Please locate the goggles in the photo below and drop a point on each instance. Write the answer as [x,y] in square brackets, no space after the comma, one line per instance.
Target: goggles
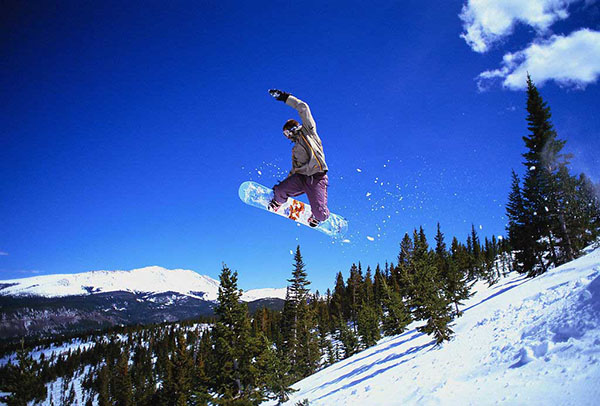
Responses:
[289,132]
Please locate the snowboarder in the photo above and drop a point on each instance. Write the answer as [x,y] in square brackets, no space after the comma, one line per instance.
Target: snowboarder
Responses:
[309,170]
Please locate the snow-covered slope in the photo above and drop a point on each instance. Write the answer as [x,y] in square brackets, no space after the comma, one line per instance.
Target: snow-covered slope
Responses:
[521,342]
[151,279]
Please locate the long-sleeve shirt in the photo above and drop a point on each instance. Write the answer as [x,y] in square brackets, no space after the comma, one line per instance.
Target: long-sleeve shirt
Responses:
[308,157]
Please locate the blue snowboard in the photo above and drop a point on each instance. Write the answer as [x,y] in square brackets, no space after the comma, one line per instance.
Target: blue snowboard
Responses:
[257,195]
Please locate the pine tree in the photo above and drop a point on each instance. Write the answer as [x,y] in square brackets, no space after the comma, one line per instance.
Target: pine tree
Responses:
[519,229]
[123,387]
[396,315]
[541,160]
[429,300]
[354,299]
[230,368]
[368,324]
[547,227]
[104,385]
[441,254]
[457,283]
[337,306]
[23,381]
[349,340]
[300,343]
[177,386]
[476,260]
[200,380]
[404,281]
[273,371]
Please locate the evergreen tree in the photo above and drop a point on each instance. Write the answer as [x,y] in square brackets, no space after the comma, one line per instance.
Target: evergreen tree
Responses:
[177,386]
[22,380]
[104,385]
[230,368]
[200,380]
[123,391]
[457,285]
[368,324]
[441,254]
[519,229]
[403,282]
[349,340]
[300,344]
[337,306]
[273,371]
[378,293]
[541,161]
[353,289]
[429,300]
[545,226]
[396,315]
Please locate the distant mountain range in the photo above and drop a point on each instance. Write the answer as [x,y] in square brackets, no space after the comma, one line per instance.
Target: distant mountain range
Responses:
[62,303]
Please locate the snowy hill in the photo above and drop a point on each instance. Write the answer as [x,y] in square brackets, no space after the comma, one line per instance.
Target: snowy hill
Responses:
[522,341]
[153,279]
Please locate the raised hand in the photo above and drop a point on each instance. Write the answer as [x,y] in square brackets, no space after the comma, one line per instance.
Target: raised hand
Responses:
[279,94]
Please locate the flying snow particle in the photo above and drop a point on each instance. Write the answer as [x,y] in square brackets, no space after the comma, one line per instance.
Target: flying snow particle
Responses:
[532,168]
[259,172]
[291,252]
[368,194]
[500,238]
[370,238]
[358,170]
[480,227]
[346,240]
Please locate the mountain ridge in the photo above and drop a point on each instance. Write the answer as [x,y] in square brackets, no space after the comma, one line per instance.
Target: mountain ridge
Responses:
[150,279]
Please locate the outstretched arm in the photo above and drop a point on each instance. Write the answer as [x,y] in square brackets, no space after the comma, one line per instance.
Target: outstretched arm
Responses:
[300,106]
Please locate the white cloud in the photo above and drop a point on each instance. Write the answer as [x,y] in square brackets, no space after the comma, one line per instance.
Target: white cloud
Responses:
[2,253]
[572,60]
[488,21]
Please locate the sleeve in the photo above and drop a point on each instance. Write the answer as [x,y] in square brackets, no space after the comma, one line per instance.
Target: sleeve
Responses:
[304,112]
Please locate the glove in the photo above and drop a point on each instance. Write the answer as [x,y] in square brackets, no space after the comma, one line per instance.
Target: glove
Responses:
[279,94]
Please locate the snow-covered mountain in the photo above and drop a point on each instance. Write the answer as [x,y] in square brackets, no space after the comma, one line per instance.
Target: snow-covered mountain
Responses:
[152,279]
[65,303]
[521,342]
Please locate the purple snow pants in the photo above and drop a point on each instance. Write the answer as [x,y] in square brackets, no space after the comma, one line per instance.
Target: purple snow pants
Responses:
[314,186]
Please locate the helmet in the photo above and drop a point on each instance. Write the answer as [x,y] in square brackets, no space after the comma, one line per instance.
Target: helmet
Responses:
[291,123]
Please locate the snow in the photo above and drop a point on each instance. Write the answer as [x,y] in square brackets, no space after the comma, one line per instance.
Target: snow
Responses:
[52,350]
[522,341]
[152,279]
[256,294]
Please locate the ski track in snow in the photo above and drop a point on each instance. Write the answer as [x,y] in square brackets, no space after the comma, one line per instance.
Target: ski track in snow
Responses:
[522,341]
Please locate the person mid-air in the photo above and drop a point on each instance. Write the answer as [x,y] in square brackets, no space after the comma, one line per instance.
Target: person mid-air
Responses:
[309,169]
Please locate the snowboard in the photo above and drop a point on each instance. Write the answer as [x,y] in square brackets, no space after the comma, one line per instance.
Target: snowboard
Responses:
[257,195]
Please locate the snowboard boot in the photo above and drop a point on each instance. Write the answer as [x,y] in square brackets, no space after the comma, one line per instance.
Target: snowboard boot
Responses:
[312,221]
[274,205]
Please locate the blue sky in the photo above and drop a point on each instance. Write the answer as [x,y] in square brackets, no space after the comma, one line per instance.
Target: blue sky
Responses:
[127,129]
